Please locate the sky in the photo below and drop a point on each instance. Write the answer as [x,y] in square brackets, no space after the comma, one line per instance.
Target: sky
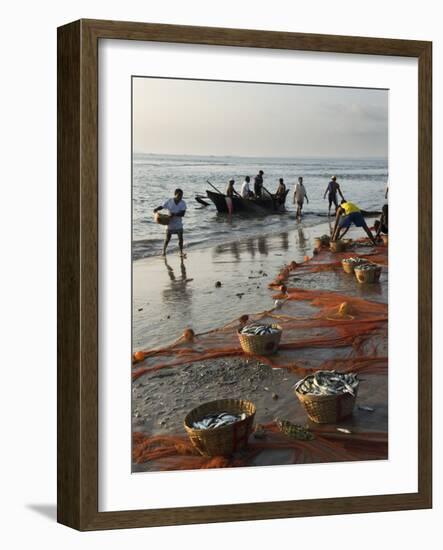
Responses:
[191,117]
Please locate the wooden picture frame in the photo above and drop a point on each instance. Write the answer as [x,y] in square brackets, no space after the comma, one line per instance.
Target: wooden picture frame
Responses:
[78,273]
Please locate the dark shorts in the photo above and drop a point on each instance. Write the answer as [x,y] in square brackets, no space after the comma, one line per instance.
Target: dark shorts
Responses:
[354,217]
[332,197]
[178,232]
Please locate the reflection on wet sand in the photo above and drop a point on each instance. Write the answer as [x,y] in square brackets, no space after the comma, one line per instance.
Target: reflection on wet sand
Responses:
[262,243]
[244,268]
[250,247]
[285,241]
[235,251]
[301,240]
[178,288]
[255,247]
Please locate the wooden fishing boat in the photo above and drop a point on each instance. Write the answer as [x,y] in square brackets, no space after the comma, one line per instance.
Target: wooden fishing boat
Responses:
[266,205]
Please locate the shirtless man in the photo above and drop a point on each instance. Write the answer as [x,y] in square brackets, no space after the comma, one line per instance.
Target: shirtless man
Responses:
[331,190]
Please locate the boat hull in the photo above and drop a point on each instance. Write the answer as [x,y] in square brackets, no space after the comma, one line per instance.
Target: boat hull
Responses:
[265,206]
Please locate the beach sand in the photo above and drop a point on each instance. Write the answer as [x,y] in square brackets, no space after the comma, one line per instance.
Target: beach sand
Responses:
[170,296]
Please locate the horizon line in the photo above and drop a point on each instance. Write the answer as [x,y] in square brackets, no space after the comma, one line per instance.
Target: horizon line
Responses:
[208,155]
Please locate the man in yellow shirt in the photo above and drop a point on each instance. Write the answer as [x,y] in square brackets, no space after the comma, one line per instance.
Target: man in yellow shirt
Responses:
[349,213]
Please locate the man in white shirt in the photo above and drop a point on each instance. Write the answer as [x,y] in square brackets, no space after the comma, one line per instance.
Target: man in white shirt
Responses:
[177,209]
[245,189]
[299,196]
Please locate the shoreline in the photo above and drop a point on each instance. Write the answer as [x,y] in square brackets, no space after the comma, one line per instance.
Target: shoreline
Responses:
[310,220]
[171,381]
[169,296]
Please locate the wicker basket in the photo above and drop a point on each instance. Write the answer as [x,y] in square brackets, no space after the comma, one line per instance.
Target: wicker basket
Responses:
[260,344]
[368,275]
[349,267]
[337,246]
[162,219]
[327,409]
[321,241]
[226,440]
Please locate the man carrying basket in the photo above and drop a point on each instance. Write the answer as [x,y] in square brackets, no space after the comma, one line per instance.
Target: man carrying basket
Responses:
[177,209]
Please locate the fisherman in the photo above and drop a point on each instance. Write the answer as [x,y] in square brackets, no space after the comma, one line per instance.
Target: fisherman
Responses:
[299,196]
[258,184]
[177,209]
[230,193]
[347,214]
[331,190]
[381,226]
[280,194]
[245,191]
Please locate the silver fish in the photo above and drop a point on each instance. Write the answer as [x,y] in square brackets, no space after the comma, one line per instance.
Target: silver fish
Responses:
[212,421]
[344,430]
[328,383]
[259,329]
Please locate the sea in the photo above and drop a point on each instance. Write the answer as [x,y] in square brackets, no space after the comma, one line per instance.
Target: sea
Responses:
[155,177]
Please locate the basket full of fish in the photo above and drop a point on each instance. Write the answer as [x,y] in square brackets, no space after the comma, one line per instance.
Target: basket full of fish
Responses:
[349,264]
[220,428]
[260,338]
[368,273]
[328,396]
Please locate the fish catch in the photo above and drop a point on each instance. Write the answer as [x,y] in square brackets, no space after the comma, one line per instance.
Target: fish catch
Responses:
[211,421]
[354,260]
[296,431]
[368,267]
[328,382]
[259,330]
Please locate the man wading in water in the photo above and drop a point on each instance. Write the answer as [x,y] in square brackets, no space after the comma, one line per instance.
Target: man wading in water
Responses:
[299,196]
[331,190]
[177,209]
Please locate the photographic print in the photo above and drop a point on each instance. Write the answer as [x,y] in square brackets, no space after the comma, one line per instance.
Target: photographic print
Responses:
[259,274]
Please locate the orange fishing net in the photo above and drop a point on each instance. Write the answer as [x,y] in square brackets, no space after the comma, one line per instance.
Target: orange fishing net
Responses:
[350,330]
[175,452]
[322,329]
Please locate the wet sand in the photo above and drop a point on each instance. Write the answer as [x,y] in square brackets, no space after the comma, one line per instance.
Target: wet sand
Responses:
[170,295]
[161,400]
